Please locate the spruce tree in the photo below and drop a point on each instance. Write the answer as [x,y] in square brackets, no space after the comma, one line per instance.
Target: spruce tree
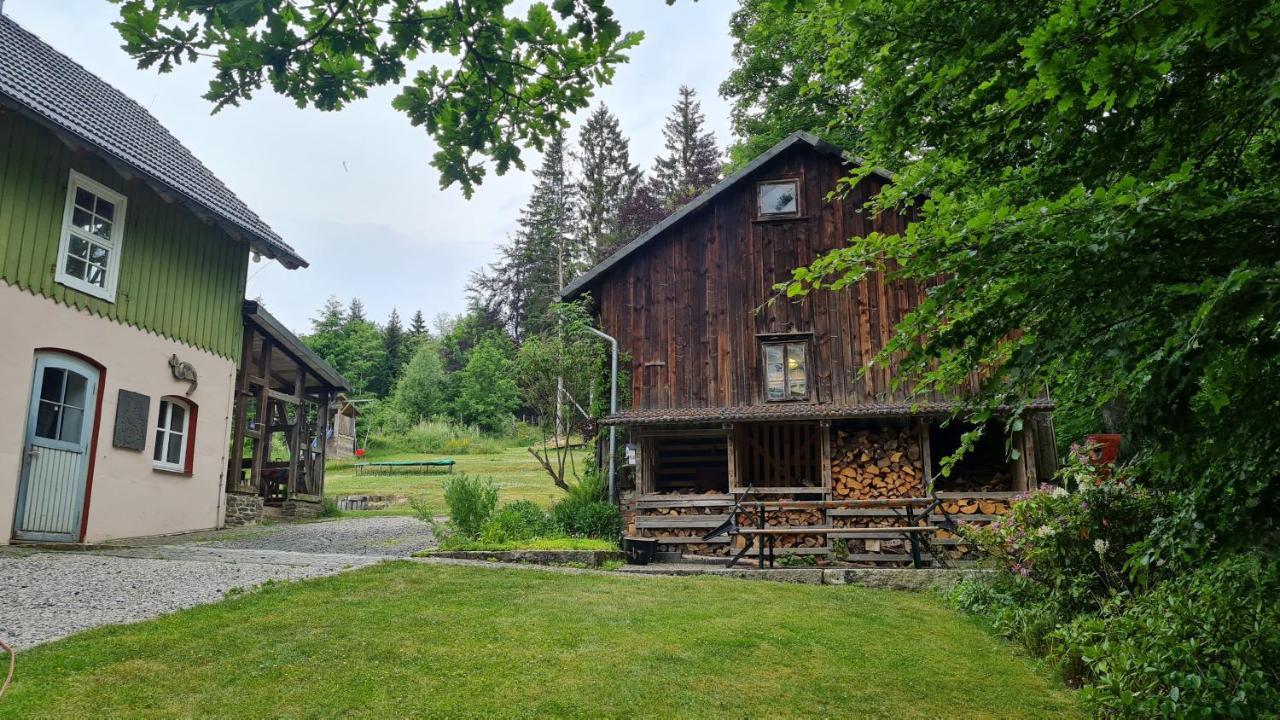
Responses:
[544,254]
[355,311]
[692,160]
[418,326]
[394,356]
[606,181]
[332,317]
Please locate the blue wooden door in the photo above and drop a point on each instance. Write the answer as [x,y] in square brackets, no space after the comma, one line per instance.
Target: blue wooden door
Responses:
[55,458]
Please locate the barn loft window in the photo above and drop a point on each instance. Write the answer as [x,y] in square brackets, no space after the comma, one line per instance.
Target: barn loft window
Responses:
[786,370]
[89,249]
[778,198]
[173,432]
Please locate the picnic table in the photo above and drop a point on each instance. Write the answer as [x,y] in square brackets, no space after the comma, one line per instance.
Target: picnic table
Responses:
[405,465]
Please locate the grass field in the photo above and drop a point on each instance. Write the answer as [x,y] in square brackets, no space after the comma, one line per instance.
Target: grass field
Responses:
[514,470]
[412,640]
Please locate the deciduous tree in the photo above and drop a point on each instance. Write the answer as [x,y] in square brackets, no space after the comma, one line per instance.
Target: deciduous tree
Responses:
[500,83]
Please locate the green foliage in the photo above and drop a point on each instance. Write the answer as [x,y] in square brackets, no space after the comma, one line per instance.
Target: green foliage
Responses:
[1203,645]
[1145,642]
[517,521]
[470,501]
[443,436]
[486,391]
[329,507]
[592,486]
[590,518]
[797,561]
[1074,544]
[420,391]
[691,162]
[500,82]
[556,372]
[351,344]
[541,543]
[606,180]
[1095,185]
[779,85]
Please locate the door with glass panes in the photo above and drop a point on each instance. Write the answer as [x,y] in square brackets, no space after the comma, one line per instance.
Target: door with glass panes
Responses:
[55,457]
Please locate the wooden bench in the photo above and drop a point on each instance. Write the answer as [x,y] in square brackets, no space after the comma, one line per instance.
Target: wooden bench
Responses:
[767,534]
[405,465]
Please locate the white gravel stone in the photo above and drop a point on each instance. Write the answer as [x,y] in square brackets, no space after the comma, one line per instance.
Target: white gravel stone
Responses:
[46,595]
[49,595]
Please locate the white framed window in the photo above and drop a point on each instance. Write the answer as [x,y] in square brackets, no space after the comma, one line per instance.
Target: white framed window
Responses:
[172,432]
[778,198]
[92,231]
[786,370]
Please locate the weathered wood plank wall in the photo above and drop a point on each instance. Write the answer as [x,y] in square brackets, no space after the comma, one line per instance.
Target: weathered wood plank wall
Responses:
[685,305]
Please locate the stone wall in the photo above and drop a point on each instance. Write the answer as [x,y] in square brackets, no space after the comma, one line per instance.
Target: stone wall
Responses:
[301,509]
[243,509]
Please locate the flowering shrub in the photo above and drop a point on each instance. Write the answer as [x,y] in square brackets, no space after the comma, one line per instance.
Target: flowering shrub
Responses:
[1143,642]
[1072,544]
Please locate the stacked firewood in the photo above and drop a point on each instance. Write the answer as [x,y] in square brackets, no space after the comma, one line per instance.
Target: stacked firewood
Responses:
[873,545]
[791,518]
[866,464]
[973,506]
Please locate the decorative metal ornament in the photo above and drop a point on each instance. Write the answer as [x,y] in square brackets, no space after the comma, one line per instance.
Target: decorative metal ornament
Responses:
[183,370]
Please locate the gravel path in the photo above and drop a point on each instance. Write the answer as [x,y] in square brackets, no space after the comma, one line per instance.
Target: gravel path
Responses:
[47,595]
[373,536]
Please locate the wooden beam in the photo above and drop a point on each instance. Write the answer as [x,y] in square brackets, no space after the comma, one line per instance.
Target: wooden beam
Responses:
[235,466]
[296,442]
[286,398]
[262,418]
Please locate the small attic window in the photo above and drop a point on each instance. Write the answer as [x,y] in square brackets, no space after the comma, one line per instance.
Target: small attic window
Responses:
[778,198]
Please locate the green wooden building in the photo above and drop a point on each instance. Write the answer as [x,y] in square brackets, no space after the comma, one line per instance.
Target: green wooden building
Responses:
[123,264]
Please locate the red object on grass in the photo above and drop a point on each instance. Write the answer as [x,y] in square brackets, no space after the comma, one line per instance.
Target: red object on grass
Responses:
[359,452]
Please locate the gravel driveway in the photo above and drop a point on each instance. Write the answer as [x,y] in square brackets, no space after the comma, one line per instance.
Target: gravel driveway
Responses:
[47,595]
[373,536]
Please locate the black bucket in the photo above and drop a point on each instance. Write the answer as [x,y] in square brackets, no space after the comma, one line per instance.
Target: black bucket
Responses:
[639,550]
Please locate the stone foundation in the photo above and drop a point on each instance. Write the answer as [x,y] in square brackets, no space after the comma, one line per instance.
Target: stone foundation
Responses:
[243,509]
[301,509]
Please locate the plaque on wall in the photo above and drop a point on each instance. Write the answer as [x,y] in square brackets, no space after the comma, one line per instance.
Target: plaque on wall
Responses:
[132,410]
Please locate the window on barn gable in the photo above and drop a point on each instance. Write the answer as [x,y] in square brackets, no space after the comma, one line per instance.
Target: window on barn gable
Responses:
[786,370]
[778,198]
[92,231]
[175,429]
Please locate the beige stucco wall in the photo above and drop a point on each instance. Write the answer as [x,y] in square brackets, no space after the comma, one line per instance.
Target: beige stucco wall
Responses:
[129,498]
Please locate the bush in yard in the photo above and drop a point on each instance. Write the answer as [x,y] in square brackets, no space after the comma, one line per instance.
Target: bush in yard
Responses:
[591,487]
[1206,645]
[587,518]
[517,520]
[1072,545]
[470,501]
[1154,643]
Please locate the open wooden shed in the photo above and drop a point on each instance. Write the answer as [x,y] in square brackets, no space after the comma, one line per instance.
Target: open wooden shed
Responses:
[281,420]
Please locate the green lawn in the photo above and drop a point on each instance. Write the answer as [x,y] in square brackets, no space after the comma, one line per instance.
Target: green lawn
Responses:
[411,640]
[516,472]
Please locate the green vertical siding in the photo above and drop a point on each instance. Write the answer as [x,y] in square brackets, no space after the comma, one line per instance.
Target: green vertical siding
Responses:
[179,276]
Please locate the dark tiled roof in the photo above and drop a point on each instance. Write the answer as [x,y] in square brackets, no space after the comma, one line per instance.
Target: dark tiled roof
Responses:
[56,90]
[793,411]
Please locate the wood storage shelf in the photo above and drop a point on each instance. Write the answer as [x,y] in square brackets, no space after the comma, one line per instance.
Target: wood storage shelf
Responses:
[877,464]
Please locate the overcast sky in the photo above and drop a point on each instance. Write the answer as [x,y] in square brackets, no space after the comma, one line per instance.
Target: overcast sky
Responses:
[352,191]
